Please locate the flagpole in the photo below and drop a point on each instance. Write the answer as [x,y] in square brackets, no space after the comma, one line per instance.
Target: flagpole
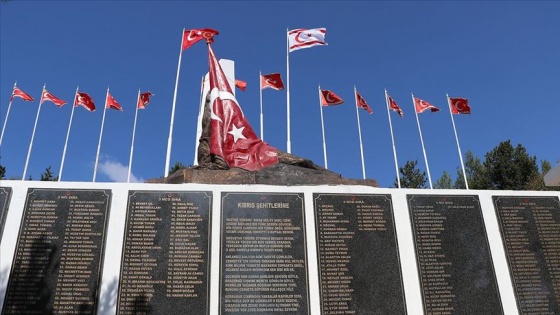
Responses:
[199,122]
[67,135]
[260,97]
[422,141]
[100,136]
[170,139]
[457,139]
[360,135]
[133,133]
[33,135]
[393,140]
[7,113]
[323,130]
[288,144]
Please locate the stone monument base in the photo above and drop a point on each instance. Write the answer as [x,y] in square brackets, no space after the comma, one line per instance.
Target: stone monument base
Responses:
[279,174]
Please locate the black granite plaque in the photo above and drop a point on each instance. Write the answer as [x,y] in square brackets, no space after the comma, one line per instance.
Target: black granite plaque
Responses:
[59,252]
[166,253]
[263,260]
[357,253]
[5,195]
[455,266]
[530,228]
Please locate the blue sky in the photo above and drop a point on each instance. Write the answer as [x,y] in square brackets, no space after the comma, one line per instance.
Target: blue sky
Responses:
[503,56]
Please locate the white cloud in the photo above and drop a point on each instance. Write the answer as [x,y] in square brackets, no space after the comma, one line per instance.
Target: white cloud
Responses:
[117,172]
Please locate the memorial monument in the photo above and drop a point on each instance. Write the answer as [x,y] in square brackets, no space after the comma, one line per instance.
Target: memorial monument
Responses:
[306,242]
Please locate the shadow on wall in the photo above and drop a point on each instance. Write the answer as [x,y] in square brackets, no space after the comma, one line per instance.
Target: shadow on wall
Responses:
[3,283]
[108,299]
[28,289]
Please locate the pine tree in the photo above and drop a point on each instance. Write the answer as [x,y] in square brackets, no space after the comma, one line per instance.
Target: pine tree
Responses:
[444,182]
[48,175]
[411,177]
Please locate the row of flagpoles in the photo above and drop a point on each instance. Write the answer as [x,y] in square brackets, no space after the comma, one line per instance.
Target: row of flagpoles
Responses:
[85,100]
[296,39]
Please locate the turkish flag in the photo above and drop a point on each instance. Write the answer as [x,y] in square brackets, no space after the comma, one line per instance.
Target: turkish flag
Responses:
[21,94]
[361,103]
[394,106]
[242,85]
[329,98]
[190,37]
[459,105]
[231,135]
[85,100]
[112,103]
[47,96]
[273,81]
[144,99]
[422,106]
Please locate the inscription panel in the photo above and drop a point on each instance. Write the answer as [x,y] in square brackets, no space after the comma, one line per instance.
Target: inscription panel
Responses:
[59,252]
[453,255]
[357,252]
[5,195]
[166,253]
[530,228]
[263,260]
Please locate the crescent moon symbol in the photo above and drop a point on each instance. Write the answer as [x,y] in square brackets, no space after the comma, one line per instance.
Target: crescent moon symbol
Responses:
[297,38]
[189,37]
[223,95]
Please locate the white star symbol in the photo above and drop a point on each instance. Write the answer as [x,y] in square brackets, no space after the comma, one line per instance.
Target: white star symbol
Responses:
[237,133]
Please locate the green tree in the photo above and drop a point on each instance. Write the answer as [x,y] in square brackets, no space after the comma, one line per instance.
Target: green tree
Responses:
[444,182]
[2,172]
[176,167]
[537,182]
[477,175]
[48,175]
[411,177]
[510,168]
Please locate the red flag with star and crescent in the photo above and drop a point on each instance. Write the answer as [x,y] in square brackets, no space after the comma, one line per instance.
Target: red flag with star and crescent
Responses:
[394,106]
[459,105]
[329,98]
[85,100]
[144,99]
[47,96]
[191,37]
[422,106]
[273,81]
[361,103]
[21,94]
[112,103]
[231,135]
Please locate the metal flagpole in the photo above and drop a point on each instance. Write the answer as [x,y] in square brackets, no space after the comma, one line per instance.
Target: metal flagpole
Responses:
[422,141]
[133,133]
[7,113]
[457,139]
[33,135]
[67,135]
[100,136]
[170,139]
[288,144]
[323,129]
[393,140]
[199,124]
[360,134]
[260,97]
